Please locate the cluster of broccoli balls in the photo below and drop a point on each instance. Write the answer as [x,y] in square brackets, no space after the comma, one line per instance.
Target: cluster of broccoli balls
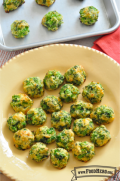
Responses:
[83,114]
[52,20]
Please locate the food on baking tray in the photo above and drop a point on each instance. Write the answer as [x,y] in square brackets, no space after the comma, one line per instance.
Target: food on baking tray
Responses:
[53,79]
[23,139]
[93,92]
[52,20]
[83,126]
[83,151]
[69,93]
[45,2]
[34,87]
[81,109]
[21,103]
[36,116]
[51,104]
[89,15]
[10,5]
[16,122]
[59,157]
[45,135]
[100,136]
[75,75]
[39,152]
[19,28]
[61,120]
[65,139]
[102,115]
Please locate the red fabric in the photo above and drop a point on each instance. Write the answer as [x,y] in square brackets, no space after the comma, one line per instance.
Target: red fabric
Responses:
[109,44]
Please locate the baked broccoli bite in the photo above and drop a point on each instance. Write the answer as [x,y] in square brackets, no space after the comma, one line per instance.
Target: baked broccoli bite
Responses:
[16,122]
[100,136]
[89,15]
[69,93]
[10,5]
[45,135]
[23,139]
[59,157]
[36,116]
[34,87]
[65,139]
[83,127]
[21,103]
[19,28]
[75,75]
[53,80]
[39,152]
[81,109]
[93,92]
[52,20]
[61,120]
[51,104]
[102,115]
[45,2]
[83,151]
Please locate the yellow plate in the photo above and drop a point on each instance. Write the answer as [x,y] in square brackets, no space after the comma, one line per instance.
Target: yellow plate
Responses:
[100,68]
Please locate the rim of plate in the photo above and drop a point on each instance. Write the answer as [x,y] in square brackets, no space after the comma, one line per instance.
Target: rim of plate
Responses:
[51,45]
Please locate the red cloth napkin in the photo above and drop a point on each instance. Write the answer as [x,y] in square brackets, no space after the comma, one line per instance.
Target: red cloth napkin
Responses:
[109,44]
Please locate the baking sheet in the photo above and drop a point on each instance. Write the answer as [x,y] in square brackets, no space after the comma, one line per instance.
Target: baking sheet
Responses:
[39,35]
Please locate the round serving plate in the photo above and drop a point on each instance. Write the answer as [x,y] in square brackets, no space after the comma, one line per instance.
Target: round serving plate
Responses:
[15,163]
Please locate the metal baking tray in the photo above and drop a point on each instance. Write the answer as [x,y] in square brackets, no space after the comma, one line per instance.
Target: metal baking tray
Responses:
[72,28]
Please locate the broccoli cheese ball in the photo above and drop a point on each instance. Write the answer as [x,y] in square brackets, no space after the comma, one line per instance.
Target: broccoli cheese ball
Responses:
[83,127]
[65,139]
[61,120]
[52,20]
[39,152]
[51,104]
[59,157]
[89,15]
[21,103]
[93,92]
[16,122]
[53,80]
[34,87]
[75,75]
[81,109]
[69,93]
[19,28]
[45,2]
[45,135]
[36,116]
[10,5]
[83,151]
[102,115]
[23,139]
[100,136]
